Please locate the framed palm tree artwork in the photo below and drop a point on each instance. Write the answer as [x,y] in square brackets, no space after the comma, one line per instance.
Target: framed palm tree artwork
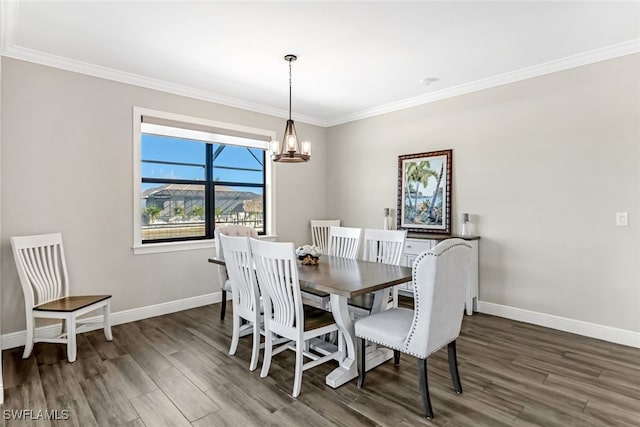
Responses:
[424,192]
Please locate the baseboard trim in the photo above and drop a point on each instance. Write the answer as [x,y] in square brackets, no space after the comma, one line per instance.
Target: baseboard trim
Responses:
[17,339]
[593,330]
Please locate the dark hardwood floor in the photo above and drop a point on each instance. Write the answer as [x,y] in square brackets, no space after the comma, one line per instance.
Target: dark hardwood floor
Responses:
[174,370]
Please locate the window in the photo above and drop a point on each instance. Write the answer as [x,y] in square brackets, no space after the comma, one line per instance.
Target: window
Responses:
[195,175]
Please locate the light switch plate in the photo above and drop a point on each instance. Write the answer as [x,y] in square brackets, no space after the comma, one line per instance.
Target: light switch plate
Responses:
[622,218]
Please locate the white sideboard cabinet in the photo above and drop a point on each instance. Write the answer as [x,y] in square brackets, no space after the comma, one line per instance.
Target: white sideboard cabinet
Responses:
[418,243]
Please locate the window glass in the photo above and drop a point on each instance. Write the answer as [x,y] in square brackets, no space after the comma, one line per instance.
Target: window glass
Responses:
[189,187]
[239,205]
[172,158]
[238,164]
[171,211]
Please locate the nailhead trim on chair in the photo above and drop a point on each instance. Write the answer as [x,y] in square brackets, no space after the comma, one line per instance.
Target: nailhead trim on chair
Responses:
[404,350]
[382,344]
[417,300]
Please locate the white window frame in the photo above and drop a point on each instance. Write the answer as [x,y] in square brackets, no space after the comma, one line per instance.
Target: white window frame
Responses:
[269,185]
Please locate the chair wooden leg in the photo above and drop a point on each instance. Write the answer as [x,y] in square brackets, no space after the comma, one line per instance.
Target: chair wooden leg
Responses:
[424,387]
[361,346]
[396,357]
[223,306]
[63,327]
[453,367]
[297,381]
[71,338]
[268,348]
[107,321]
[255,352]
[235,335]
[28,345]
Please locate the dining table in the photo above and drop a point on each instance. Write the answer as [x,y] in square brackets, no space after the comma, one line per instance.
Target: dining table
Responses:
[342,279]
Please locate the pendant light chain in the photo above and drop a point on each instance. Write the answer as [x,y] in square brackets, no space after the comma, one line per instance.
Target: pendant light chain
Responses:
[289,89]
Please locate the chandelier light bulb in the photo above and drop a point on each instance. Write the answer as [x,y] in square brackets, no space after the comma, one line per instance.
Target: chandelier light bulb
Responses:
[306,148]
[291,142]
[275,146]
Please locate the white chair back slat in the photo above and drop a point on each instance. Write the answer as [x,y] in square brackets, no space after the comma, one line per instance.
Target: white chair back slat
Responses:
[45,267]
[441,279]
[38,271]
[48,270]
[278,281]
[320,232]
[51,270]
[384,246]
[282,302]
[32,292]
[234,231]
[41,267]
[237,253]
[344,242]
[33,272]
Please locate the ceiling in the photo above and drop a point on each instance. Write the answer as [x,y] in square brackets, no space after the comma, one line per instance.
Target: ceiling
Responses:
[356,59]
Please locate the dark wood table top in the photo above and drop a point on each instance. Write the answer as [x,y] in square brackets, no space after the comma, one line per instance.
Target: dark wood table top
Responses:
[348,277]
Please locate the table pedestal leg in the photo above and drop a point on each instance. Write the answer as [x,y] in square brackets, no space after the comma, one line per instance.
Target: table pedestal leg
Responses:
[348,368]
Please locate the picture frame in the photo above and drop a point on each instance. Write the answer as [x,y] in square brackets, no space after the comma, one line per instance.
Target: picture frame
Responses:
[424,192]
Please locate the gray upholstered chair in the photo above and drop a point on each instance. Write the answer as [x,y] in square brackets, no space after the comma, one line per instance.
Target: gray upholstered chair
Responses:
[234,231]
[440,280]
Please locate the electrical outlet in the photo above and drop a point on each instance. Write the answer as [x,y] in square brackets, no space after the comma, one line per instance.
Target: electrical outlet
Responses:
[622,218]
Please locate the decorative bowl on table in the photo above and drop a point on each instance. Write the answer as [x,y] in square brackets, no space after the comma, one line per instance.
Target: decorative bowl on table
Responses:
[309,254]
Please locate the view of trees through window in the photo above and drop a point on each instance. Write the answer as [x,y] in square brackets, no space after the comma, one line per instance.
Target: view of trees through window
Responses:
[189,187]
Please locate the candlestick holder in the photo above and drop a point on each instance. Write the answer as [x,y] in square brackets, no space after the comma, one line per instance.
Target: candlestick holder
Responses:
[386,225]
[466,228]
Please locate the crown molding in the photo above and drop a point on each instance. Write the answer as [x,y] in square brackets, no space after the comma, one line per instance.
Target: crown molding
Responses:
[38,57]
[8,13]
[589,57]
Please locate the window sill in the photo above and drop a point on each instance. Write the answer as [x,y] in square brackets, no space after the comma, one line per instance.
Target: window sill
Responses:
[155,248]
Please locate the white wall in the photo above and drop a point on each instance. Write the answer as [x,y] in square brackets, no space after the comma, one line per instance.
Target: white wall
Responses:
[1,260]
[542,165]
[67,166]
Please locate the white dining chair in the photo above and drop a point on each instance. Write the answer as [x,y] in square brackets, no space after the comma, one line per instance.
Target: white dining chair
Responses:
[385,246]
[344,242]
[283,310]
[246,297]
[320,232]
[228,230]
[440,280]
[42,270]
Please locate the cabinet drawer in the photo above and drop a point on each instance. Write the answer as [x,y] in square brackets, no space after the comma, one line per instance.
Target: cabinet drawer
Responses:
[417,246]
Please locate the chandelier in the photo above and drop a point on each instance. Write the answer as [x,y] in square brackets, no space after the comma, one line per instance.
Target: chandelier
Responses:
[290,150]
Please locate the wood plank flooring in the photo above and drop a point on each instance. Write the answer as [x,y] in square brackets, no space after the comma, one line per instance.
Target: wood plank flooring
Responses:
[174,370]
